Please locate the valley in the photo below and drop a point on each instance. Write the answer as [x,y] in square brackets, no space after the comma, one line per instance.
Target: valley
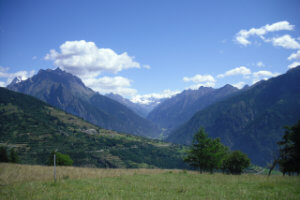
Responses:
[249,119]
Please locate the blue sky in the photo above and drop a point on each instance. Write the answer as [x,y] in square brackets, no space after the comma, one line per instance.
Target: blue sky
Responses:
[143,48]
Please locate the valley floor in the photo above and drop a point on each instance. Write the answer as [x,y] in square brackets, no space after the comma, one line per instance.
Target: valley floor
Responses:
[36,182]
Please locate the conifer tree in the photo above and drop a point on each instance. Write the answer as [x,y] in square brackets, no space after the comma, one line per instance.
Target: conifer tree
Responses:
[206,154]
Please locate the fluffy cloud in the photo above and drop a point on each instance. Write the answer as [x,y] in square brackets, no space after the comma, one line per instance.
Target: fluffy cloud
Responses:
[243,35]
[285,41]
[295,56]
[257,76]
[85,58]
[293,65]
[118,84]
[150,98]
[87,61]
[200,80]
[22,75]
[242,70]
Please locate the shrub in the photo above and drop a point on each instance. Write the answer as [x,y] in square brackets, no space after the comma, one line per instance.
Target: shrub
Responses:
[61,159]
[235,162]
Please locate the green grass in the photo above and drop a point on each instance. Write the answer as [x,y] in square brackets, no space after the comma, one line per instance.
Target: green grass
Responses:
[147,184]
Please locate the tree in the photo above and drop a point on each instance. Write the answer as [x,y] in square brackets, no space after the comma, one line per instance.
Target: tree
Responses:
[289,153]
[206,154]
[61,159]
[3,155]
[235,162]
[14,158]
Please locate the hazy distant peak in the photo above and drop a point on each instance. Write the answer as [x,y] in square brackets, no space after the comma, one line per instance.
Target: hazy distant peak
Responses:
[58,69]
[228,86]
[16,80]
[245,87]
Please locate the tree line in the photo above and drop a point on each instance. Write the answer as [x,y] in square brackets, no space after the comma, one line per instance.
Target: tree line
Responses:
[210,155]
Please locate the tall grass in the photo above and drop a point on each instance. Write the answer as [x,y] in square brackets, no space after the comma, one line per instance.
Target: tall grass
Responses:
[16,173]
[35,182]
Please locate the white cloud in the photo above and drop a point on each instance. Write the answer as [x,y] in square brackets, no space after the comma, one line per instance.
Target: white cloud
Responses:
[150,98]
[263,75]
[260,64]
[293,65]
[200,80]
[23,75]
[85,59]
[285,41]
[2,84]
[118,84]
[295,56]
[243,35]
[242,70]
[239,85]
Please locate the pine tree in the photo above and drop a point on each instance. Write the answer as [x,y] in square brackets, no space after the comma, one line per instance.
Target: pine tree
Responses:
[289,153]
[206,154]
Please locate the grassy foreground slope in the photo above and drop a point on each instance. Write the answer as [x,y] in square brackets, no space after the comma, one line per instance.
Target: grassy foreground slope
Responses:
[34,182]
[35,129]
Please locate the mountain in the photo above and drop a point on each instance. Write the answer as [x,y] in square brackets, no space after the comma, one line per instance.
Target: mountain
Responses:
[142,109]
[34,129]
[137,108]
[252,120]
[67,92]
[180,108]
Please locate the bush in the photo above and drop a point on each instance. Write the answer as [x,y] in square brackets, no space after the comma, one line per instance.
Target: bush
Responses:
[61,159]
[235,162]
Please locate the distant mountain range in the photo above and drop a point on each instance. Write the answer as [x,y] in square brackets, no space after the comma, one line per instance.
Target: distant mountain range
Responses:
[67,92]
[141,109]
[176,110]
[35,129]
[251,120]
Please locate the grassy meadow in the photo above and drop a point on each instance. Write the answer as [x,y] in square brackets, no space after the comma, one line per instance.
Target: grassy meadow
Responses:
[36,182]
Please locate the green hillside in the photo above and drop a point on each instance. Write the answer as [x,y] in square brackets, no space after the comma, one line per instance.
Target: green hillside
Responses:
[67,92]
[35,129]
[252,120]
